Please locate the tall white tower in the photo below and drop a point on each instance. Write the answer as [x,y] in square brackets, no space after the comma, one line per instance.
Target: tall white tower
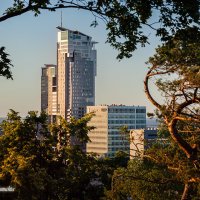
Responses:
[76,71]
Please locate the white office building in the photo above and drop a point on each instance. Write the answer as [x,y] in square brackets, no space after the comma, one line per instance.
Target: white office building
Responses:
[106,138]
[76,71]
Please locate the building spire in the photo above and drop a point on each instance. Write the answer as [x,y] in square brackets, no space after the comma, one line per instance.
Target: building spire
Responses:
[61,19]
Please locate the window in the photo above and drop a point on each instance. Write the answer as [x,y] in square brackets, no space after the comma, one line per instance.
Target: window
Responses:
[53,89]
[54,81]
[63,35]
[140,111]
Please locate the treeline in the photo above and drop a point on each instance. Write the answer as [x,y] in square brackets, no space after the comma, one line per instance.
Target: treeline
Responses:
[37,161]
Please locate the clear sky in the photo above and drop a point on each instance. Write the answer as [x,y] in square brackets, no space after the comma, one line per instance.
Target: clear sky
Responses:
[31,43]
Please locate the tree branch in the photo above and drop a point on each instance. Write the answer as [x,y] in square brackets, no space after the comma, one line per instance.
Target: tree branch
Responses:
[17,13]
[146,89]
[32,7]
[187,149]
[187,119]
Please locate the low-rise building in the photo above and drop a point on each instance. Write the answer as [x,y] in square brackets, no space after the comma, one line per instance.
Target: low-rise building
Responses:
[106,138]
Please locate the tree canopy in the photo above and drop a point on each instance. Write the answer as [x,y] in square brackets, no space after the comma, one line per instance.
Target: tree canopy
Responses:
[32,162]
[176,67]
[127,21]
[144,179]
[175,70]
[39,161]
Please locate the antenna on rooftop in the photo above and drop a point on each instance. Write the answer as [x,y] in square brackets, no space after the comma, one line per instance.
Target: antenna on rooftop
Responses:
[61,19]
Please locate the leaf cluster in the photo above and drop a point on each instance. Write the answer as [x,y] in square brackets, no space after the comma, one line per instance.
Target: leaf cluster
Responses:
[5,64]
[144,180]
[125,20]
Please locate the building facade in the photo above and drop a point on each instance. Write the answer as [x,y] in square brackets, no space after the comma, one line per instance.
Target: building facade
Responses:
[76,71]
[106,138]
[49,91]
[140,140]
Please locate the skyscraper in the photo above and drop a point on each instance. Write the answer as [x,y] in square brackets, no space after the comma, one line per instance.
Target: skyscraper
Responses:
[49,91]
[76,71]
[66,89]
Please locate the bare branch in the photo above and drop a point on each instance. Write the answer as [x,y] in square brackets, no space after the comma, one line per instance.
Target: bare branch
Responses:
[146,89]
[187,119]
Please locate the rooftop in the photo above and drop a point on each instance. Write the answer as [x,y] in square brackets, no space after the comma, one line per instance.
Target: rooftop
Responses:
[120,105]
[75,32]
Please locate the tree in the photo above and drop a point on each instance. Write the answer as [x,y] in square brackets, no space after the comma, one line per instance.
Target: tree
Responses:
[125,20]
[163,172]
[39,162]
[144,179]
[36,169]
[23,156]
[175,68]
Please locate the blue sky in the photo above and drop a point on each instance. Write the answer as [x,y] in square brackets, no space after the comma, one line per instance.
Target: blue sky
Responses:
[31,43]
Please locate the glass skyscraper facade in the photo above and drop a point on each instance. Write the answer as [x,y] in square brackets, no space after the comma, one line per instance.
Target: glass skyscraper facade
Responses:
[76,70]
[49,91]
[66,89]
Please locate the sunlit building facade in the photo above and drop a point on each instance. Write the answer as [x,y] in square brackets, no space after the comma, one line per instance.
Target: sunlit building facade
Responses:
[49,91]
[76,71]
[106,138]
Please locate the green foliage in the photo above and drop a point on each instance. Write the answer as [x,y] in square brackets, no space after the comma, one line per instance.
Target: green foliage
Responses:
[143,179]
[23,156]
[163,131]
[74,132]
[39,162]
[126,20]
[5,64]
[175,69]
[159,175]
[31,163]
[150,115]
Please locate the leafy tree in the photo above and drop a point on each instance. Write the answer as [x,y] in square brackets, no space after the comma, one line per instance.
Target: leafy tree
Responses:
[164,172]
[173,158]
[32,164]
[175,68]
[24,156]
[39,162]
[144,179]
[125,20]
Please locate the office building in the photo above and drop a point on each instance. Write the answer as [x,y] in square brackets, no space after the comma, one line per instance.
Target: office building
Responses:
[106,138]
[49,91]
[76,71]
